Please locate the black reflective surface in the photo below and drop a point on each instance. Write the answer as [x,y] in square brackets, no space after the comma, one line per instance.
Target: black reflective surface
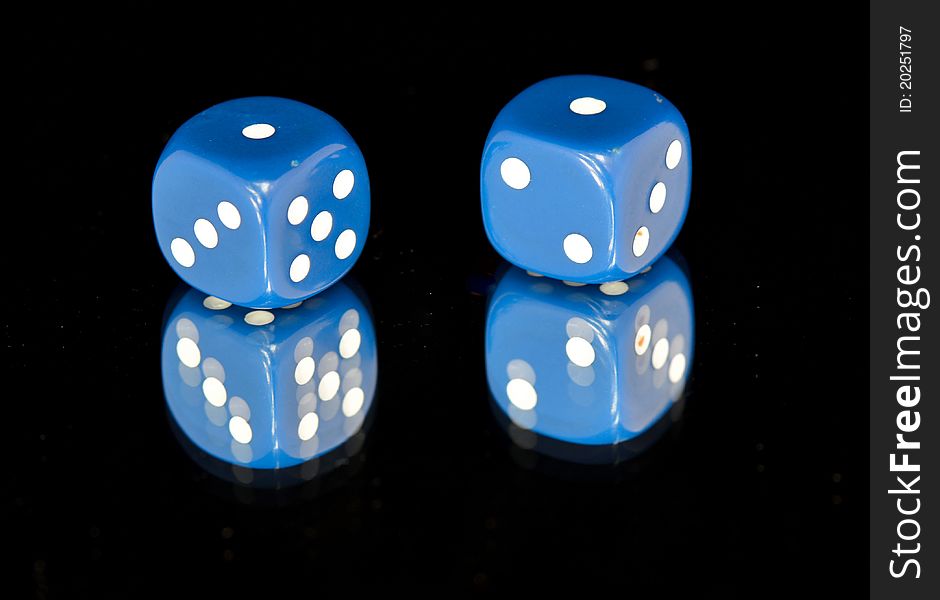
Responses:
[756,488]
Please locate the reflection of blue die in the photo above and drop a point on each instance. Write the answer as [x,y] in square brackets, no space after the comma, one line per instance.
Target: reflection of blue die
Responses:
[585,178]
[589,364]
[261,201]
[269,389]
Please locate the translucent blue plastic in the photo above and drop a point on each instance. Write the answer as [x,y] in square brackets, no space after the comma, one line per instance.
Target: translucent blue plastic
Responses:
[273,395]
[585,178]
[261,201]
[589,364]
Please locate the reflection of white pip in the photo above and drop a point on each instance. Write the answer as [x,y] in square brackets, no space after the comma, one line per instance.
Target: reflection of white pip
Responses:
[211,379]
[581,355]
[326,370]
[323,381]
[589,364]
[663,349]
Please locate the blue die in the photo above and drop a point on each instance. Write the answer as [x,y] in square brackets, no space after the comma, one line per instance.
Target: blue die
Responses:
[585,178]
[261,201]
[269,389]
[593,365]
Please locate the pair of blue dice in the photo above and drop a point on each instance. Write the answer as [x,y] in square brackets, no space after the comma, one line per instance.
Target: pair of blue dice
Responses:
[264,202]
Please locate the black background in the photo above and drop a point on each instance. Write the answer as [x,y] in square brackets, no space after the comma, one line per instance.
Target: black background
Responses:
[759,489]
